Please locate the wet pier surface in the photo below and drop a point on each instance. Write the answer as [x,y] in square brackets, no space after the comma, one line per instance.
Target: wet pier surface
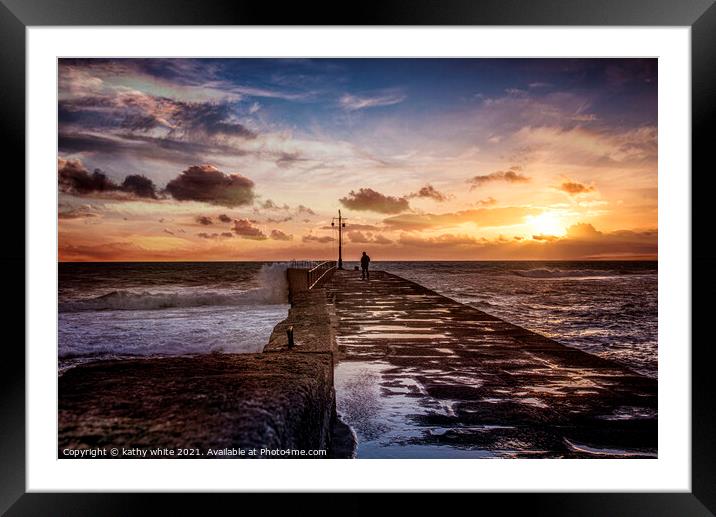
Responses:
[419,375]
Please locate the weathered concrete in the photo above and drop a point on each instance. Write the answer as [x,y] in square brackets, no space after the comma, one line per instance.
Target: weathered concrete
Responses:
[420,373]
[214,401]
[280,399]
[313,320]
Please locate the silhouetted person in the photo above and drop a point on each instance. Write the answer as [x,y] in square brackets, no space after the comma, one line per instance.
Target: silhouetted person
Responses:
[364,262]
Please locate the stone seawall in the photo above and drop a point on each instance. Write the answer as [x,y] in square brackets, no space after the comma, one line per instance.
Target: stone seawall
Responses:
[278,399]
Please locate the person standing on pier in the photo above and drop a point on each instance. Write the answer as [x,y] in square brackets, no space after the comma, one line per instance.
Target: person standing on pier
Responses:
[364,262]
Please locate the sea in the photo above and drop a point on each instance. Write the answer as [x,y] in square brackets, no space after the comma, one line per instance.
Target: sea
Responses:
[128,310]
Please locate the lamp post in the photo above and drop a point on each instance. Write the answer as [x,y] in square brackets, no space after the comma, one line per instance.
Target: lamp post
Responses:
[341,225]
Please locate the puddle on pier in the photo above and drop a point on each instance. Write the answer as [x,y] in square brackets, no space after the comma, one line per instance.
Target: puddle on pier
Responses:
[381,403]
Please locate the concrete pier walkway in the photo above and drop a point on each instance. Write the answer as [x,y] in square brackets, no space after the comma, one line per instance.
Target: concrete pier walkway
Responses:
[421,375]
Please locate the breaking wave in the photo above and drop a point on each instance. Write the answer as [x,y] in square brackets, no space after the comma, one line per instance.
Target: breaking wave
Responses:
[271,278]
[565,273]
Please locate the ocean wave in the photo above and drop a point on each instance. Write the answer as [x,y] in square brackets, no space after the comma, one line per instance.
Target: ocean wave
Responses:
[565,273]
[273,290]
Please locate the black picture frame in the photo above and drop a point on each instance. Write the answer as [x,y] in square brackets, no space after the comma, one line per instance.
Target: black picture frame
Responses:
[700,15]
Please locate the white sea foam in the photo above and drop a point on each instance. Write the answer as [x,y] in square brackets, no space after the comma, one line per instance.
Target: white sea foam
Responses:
[562,273]
[273,290]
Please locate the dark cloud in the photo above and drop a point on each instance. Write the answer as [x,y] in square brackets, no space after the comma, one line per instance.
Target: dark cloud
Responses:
[512,175]
[428,191]
[368,199]
[574,188]
[314,238]
[135,145]
[208,184]
[246,230]
[140,186]
[75,179]
[204,219]
[278,235]
[224,218]
[135,111]
[223,235]
[209,118]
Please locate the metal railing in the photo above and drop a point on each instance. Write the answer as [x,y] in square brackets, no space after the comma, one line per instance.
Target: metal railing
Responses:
[315,274]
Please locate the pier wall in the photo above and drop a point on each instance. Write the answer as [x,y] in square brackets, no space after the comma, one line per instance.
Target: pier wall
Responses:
[279,399]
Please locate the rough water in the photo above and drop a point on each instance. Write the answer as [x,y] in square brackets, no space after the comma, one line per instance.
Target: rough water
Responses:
[606,308]
[124,310]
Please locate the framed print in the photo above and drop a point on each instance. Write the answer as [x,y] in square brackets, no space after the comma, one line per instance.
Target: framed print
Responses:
[434,251]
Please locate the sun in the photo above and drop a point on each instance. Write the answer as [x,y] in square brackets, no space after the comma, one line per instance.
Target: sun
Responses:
[546,223]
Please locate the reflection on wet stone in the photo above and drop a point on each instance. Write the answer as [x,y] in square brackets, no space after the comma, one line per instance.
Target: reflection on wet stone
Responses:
[422,376]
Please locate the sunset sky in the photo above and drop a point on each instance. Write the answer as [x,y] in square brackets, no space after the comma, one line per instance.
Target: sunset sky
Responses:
[453,159]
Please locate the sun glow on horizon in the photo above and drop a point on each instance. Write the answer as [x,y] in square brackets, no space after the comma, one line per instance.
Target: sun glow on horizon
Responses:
[547,223]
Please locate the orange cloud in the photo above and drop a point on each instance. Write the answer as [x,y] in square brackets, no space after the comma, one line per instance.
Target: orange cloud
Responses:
[485,217]
[246,230]
[574,188]
[512,175]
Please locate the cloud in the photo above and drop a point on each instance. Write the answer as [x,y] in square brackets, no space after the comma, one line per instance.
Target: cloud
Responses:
[75,179]
[484,217]
[224,218]
[304,210]
[428,191]
[486,202]
[368,199]
[128,109]
[79,212]
[574,188]
[356,102]
[583,231]
[246,230]
[208,118]
[222,235]
[446,240]
[314,238]
[140,186]
[270,205]
[581,242]
[204,219]
[278,235]
[286,160]
[512,175]
[582,145]
[361,238]
[208,184]
[279,219]
[357,226]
